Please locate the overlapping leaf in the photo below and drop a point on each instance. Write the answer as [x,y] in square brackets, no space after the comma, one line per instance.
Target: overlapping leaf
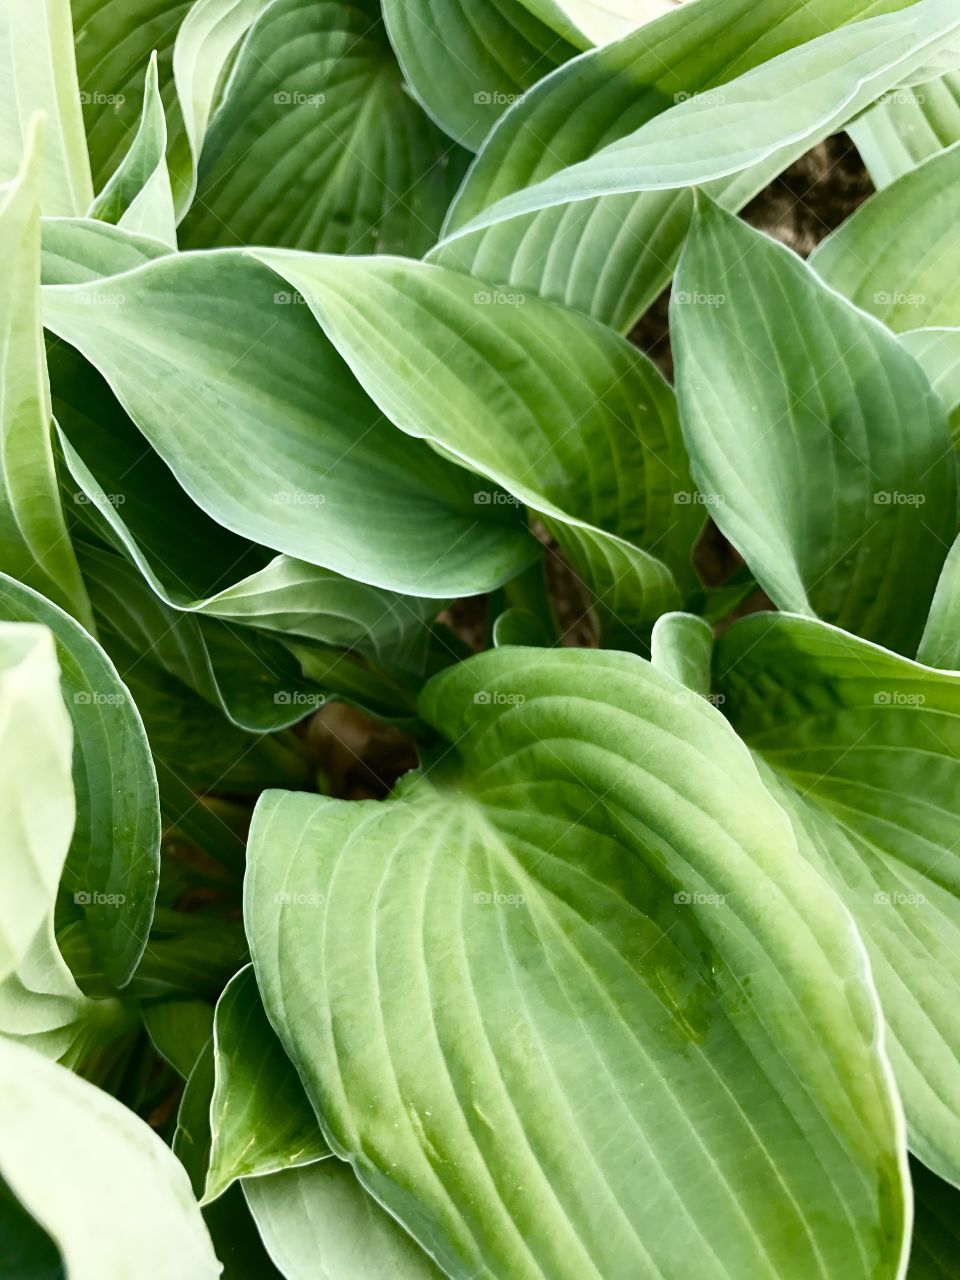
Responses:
[862,749]
[816,438]
[907,126]
[514,992]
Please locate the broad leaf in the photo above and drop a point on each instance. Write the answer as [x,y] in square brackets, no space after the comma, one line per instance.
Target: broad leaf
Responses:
[138,196]
[468,60]
[898,256]
[113,865]
[179,1030]
[862,749]
[95,1176]
[260,1118]
[554,408]
[81,250]
[318,1223]
[288,439]
[816,438]
[938,353]
[114,40]
[659,108]
[935,1254]
[317,143]
[940,646]
[34,544]
[514,992]
[908,126]
[38,74]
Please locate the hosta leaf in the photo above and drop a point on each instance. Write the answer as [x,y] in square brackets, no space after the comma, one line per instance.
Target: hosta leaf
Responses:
[908,126]
[862,748]
[112,869]
[317,144]
[682,647]
[563,414]
[34,544]
[816,437]
[898,256]
[40,1002]
[114,40]
[935,1254]
[514,992]
[289,440]
[130,497]
[38,74]
[318,1223]
[940,646]
[138,196]
[36,799]
[95,1176]
[938,353]
[650,111]
[260,1119]
[468,60]
[80,250]
[180,1030]
[602,20]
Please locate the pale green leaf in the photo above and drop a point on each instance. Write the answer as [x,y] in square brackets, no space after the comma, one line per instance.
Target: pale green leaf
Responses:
[815,437]
[288,438]
[682,647]
[81,250]
[38,74]
[34,544]
[559,411]
[96,1177]
[862,749]
[898,256]
[907,126]
[260,1118]
[574,1006]
[468,60]
[318,1223]
[138,196]
[940,645]
[937,351]
[660,107]
[317,143]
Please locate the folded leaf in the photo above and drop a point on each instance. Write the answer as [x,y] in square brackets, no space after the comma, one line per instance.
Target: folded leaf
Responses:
[515,992]
[557,410]
[34,544]
[816,438]
[260,1118]
[862,749]
[38,73]
[234,385]
[95,1176]
[113,866]
[138,196]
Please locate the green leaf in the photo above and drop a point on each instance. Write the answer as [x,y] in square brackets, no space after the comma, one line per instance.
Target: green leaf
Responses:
[79,250]
[602,20]
[898,256]
[815,437]
[682,647]
[519,1006]
[940,645]
[38,74]
[28,1251]
[908,126]
[862,749]
[114,40]
[34,544]
[95,1176]
[936,1241]
[318,1223]
[289,440]
[659,109]
[467,61]
[937,351]
[179,1030]
[557,410]
[260,1118]
[138,196]
[317,143]
[113,866]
